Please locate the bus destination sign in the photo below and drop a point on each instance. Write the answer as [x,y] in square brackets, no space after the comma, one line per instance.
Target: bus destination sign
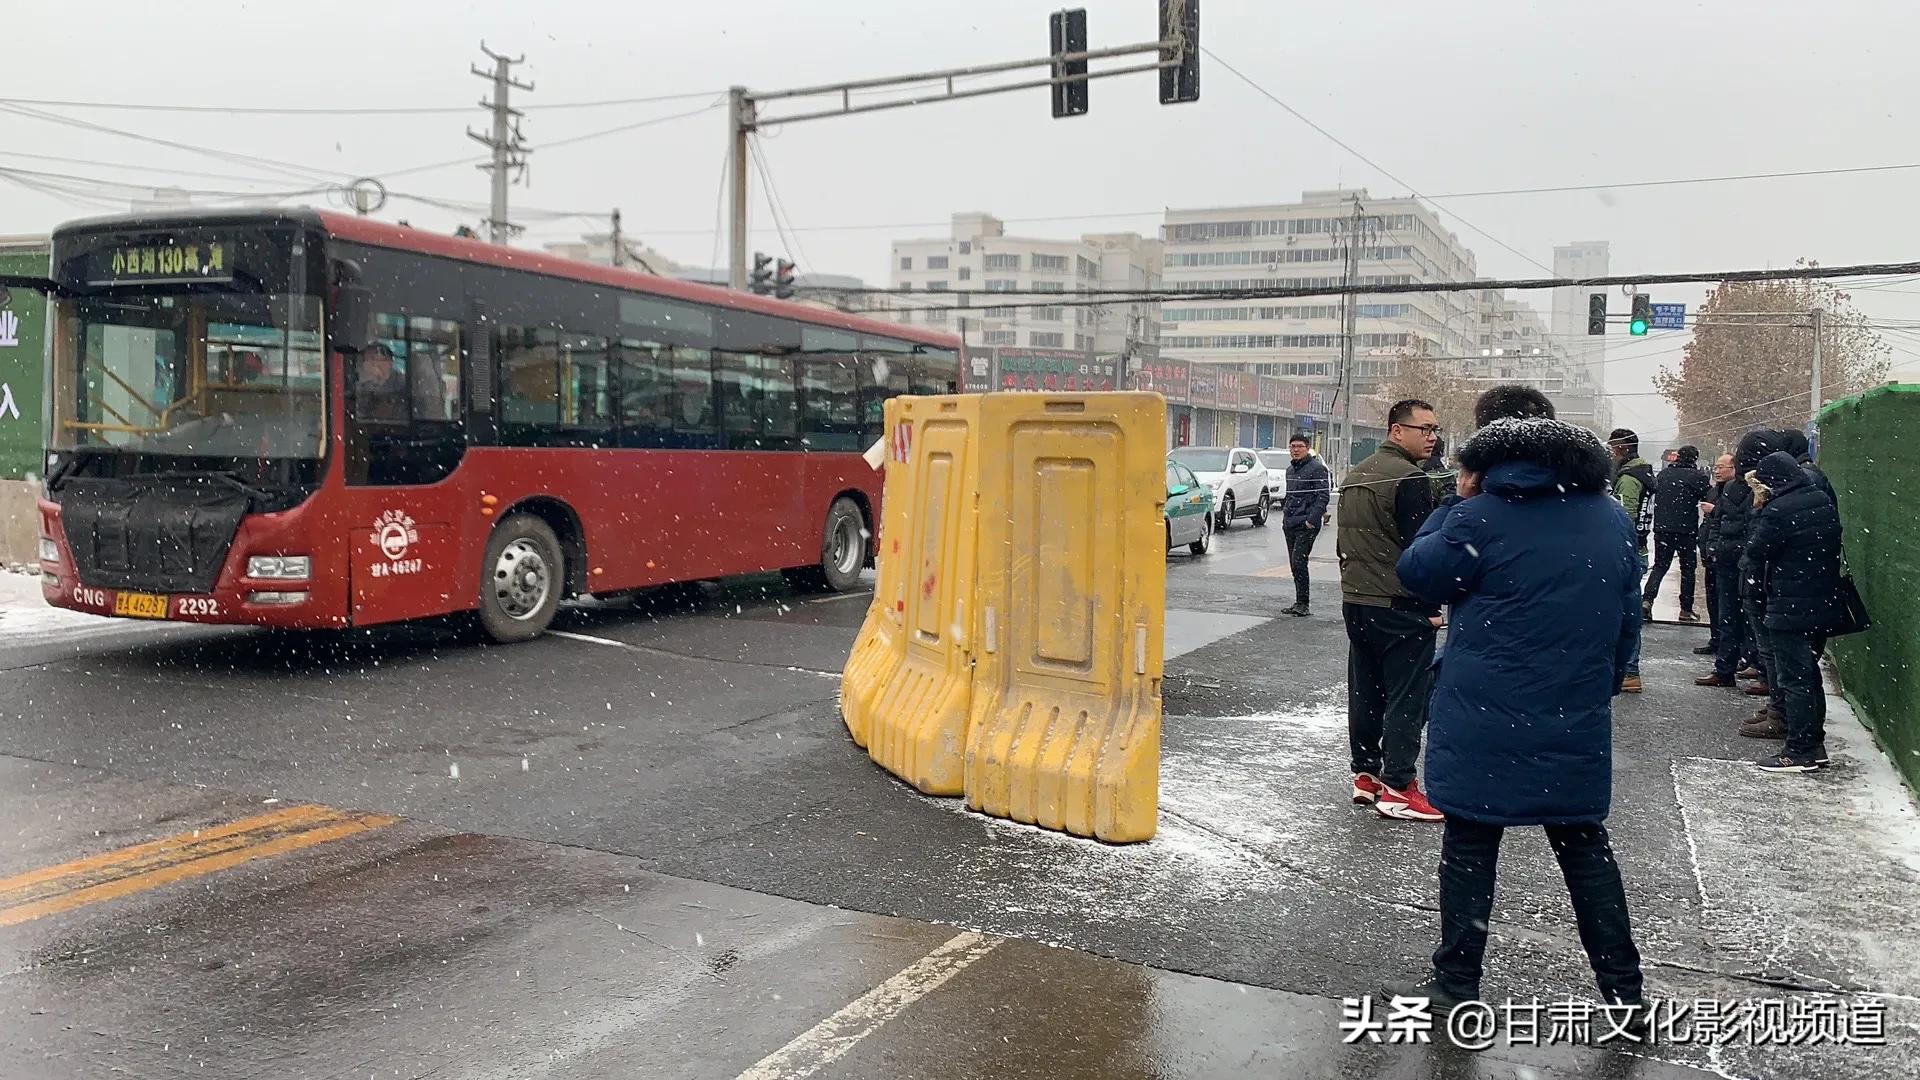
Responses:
[159,263]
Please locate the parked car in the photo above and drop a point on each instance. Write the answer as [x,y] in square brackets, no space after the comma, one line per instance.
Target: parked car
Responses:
[1237,478]
[1189,510]
[1276,462]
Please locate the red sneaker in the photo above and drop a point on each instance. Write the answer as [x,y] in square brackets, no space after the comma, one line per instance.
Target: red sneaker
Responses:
[1366,789]
[1406,805]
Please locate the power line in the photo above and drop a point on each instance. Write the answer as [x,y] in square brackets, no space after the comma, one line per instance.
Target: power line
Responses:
[1676,182]
[572,139]
[1102,296]
[1382,170]
[344,110]
[299,172]
[774,202]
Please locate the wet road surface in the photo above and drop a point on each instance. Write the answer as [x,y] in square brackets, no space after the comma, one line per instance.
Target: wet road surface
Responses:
[644,846]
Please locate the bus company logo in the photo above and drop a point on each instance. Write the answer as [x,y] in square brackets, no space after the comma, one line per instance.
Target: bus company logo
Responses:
[9,329]
[393,534]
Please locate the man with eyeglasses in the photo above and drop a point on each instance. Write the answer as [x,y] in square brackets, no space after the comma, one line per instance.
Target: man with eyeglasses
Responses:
[1390,632]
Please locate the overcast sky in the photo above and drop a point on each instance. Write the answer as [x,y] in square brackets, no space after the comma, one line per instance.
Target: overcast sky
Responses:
[1451,98]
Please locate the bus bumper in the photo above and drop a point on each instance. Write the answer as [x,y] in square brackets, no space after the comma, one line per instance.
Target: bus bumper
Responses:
[319,602]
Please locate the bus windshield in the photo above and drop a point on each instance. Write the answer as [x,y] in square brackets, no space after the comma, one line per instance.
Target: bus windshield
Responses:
[202,373]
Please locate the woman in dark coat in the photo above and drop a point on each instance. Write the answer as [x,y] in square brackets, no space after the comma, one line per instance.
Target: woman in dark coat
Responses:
[1539,566]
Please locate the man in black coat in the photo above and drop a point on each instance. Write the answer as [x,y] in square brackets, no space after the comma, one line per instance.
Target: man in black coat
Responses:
[1733,511]
[1302,511]
[1794,542]
[1722,472]
[1676,526]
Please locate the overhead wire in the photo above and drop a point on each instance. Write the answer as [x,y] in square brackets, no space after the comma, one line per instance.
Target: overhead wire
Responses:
[1381,169]
[346,110]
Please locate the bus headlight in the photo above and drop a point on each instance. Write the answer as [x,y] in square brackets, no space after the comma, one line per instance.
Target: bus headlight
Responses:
[49,551]
[280,567]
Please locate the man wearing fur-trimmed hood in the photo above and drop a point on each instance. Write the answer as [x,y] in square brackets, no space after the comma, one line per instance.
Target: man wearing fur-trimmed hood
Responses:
[1540,567]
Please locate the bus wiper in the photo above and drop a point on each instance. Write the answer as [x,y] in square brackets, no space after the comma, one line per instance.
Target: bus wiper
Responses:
[226,477]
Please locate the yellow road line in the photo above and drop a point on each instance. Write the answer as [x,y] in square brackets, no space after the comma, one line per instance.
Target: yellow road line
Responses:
[97,878]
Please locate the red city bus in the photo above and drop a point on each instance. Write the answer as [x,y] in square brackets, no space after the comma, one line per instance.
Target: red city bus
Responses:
[310,420]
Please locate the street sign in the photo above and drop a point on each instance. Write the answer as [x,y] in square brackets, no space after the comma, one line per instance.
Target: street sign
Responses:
[1669,316]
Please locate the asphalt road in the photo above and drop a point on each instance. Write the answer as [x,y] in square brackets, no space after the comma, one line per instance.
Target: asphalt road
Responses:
[644,846]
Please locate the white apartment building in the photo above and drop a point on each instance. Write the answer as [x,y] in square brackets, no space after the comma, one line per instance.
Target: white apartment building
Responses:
[978,257]
[1514,345]
[1302,244]
[1583,259]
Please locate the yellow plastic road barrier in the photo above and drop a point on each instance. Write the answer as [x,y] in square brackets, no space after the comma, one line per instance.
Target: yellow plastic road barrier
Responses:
[1071,613]
[907,688]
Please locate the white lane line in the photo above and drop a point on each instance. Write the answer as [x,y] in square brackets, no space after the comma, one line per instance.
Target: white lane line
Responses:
[591,640]
[840,596]
[822,1044]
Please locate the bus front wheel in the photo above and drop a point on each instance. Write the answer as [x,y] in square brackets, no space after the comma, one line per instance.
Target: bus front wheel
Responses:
[843,551]
[522,578]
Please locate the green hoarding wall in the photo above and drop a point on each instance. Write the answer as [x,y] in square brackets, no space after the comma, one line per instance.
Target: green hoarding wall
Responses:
[23,321]
[1867,449]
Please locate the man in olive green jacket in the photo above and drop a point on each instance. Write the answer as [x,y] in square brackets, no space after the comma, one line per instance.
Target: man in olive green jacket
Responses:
[1390,634]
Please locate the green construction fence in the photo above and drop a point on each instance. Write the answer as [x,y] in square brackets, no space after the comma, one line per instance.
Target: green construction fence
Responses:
[1875,469]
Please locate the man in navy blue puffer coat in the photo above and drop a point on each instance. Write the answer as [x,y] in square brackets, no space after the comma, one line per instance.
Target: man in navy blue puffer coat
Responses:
[1538,564]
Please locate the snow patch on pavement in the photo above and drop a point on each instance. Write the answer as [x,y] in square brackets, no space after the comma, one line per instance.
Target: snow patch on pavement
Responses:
[1220,831]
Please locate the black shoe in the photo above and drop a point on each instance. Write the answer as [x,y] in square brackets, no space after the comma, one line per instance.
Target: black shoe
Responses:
[1297,608]
[1704,650]
[1442,1002]
[1787,763]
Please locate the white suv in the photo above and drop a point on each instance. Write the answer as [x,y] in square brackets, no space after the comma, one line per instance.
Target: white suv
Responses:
[1238,478]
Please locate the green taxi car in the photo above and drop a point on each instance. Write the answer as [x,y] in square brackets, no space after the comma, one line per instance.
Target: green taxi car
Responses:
[1189,510]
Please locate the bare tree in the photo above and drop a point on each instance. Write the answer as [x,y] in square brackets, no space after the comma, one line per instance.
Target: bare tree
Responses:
[1439,383]
[1750,363]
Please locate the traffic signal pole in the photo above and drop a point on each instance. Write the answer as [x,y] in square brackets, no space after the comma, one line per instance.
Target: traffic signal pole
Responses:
[1177,51]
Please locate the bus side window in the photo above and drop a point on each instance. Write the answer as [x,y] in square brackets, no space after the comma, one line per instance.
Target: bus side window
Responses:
[758,404]
[829,390]
[694,423]
[585,409]
[645,373]
[405,397]
[529,383]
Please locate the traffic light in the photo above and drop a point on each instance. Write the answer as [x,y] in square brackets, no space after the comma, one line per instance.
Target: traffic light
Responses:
[762,279]
[1642,314]
[1180,25]
[1069,36]
[783,279]
[1597,313]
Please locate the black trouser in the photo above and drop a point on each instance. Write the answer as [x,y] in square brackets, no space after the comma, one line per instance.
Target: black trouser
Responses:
[1763,647]
[1733,620]
[1469,857]
[1389,672]
[1795,676]
[1665,547]
[1300,540]
[1713,603]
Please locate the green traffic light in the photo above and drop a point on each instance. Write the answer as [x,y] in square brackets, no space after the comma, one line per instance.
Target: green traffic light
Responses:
[1637,327]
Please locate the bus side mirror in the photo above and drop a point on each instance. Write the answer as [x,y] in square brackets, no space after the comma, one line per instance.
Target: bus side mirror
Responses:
[352,325]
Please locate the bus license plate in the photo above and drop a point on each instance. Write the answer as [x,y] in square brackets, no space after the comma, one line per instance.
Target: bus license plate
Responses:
[140,605]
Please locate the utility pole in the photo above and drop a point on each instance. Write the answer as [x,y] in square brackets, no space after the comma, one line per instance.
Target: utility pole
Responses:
[1350,322]
[509,151]
[1819,326]
[740,117]
[619,243]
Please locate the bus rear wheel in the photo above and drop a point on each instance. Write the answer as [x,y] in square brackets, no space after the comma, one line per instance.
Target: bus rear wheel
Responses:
[521,579]
[843,551]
